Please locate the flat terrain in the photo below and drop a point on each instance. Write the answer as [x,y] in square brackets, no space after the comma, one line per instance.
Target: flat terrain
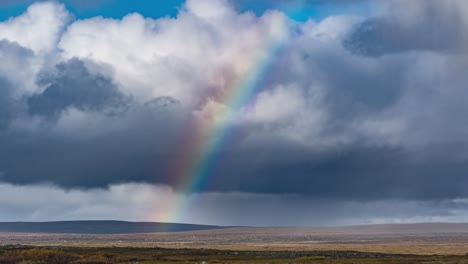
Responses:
[391,244]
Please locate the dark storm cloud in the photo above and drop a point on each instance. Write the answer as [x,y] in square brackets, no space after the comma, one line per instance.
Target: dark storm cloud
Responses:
[137,151]
[377,37]
[357,91]
[7,103]
[72,85]
[10,105]
[136,155]
[436,26]
[119,157]
[354,173]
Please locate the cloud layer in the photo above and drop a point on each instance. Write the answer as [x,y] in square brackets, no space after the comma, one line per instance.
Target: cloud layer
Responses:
[350,108]
[144,202]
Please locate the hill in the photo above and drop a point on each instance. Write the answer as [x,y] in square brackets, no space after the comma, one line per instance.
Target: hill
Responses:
[98,227]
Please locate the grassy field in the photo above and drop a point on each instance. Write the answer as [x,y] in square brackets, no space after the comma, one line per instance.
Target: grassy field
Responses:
[391,244]
[79,255]
[421,239]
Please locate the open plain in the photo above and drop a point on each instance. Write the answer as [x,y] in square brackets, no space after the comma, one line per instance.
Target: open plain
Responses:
[407,243]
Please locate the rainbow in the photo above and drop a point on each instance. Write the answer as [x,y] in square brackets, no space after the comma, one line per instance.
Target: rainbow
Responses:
[203,149]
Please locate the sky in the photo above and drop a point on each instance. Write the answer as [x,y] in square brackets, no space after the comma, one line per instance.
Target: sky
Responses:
[259,113]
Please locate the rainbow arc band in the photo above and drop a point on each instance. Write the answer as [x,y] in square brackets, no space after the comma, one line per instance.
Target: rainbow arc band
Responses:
[203,150]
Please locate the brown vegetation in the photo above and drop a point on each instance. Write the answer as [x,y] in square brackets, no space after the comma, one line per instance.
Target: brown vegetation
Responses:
[77,255]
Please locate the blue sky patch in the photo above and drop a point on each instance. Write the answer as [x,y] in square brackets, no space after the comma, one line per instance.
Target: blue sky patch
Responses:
[297,10]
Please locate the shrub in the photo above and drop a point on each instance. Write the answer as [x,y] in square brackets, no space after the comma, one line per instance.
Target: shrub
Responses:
[10,260]
[43,255]
[97,259]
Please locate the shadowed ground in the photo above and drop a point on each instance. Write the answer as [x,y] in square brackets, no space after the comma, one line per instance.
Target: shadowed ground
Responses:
[80,255]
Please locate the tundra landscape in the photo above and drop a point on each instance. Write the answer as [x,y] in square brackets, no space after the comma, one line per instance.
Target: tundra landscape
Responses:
[400,243]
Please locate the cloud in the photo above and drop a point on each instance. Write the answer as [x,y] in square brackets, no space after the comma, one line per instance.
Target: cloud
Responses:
[7,104]
[349,108]
[74,86]
[420,26]
[142,202]
[38,28]
[169,51]
[14,57]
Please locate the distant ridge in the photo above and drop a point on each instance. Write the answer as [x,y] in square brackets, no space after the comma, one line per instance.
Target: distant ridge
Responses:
[98,227]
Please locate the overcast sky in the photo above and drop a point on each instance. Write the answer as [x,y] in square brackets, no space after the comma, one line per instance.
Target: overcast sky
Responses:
[358,112]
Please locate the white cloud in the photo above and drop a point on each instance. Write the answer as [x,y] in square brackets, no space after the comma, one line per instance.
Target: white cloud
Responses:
[278,104]
[188,58]
[209,9]
[289,112]
[38,28]
[29,43]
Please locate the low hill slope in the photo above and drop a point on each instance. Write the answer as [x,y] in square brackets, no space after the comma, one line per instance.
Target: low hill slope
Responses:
[98,227]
